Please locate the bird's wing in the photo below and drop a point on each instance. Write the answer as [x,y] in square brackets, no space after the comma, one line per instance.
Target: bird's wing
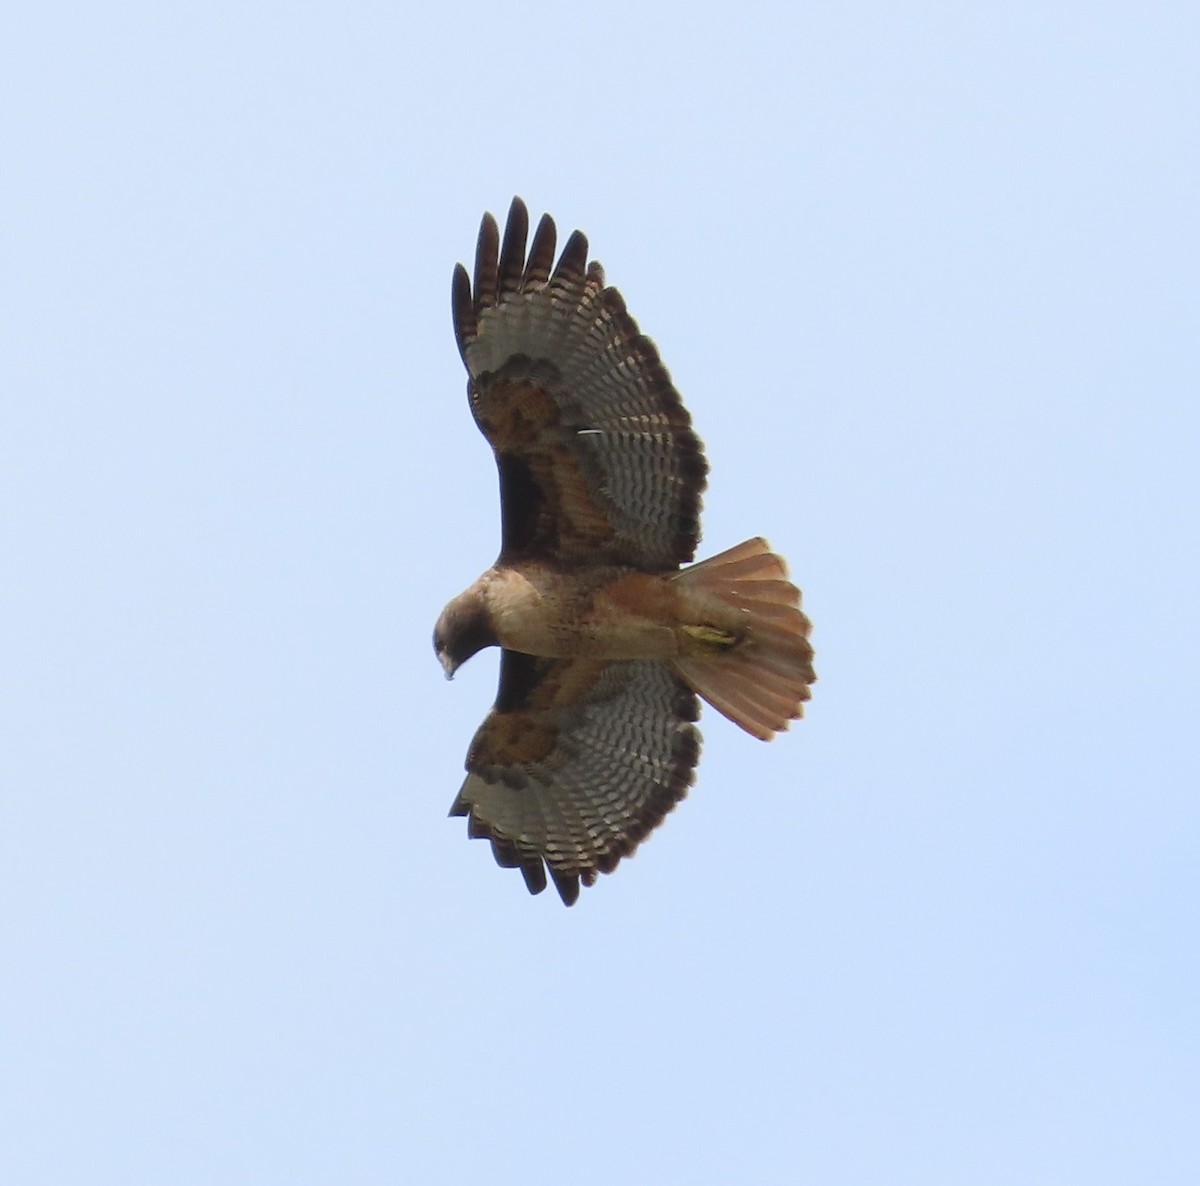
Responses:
[577,762]
[598,461]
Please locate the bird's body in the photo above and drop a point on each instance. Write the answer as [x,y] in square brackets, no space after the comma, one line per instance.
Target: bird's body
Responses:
[607,612]
[607,638]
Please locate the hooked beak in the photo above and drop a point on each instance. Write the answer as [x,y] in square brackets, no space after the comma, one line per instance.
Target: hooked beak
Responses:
[448,664]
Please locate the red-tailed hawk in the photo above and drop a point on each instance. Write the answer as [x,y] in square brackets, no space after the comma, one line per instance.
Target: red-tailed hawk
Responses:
[606,639]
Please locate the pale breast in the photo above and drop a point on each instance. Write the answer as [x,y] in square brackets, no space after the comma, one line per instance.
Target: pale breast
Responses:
[603,613]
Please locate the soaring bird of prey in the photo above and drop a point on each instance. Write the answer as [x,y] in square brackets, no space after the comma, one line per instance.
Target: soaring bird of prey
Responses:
[606,640]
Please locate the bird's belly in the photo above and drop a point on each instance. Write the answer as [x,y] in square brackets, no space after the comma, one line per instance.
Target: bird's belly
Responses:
[632,617]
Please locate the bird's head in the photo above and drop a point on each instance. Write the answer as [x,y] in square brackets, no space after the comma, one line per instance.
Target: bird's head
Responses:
[464,629]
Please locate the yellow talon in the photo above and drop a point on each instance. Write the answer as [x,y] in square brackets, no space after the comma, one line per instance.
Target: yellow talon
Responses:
[710,636]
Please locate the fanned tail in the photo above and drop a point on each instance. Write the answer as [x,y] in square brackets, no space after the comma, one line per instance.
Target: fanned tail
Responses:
[760,675]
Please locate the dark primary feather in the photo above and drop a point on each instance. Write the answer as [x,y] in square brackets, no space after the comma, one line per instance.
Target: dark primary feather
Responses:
[486,270]
[512,253]
[597,458]
[541,252]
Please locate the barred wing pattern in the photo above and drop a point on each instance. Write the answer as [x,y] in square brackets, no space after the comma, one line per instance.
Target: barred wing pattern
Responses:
[576,764]
[597,458]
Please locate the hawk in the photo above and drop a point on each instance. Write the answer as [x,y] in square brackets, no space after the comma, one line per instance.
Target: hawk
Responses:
[607,640]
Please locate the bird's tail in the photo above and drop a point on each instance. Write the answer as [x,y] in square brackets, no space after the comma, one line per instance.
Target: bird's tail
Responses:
[755,666]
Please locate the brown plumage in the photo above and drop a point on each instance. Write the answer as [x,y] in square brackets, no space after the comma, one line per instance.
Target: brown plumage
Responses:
[606,639]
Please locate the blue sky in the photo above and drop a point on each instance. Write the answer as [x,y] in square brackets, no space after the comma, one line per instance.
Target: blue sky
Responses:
[927,277]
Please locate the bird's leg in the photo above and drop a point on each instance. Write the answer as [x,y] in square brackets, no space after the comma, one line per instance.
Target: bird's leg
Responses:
[710,638]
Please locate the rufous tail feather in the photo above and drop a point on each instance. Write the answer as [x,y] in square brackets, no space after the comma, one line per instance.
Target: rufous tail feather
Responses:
[754,667]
